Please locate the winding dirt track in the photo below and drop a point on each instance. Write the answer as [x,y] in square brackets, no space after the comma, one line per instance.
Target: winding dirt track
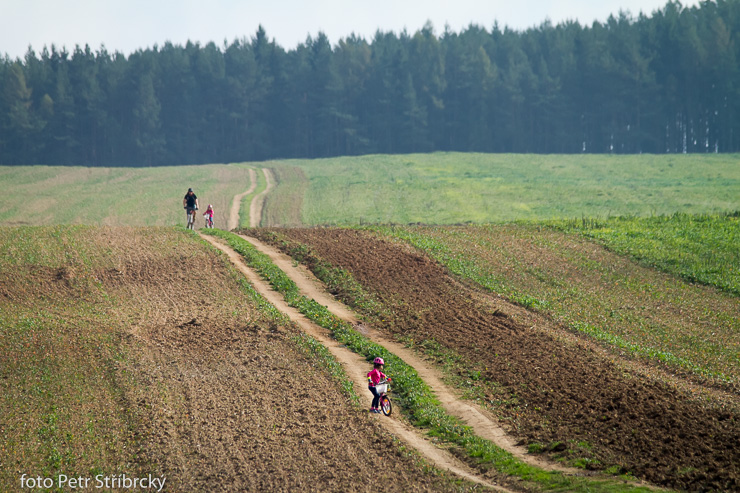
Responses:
[236,203]
[483,424]
[354,364]
[258,202]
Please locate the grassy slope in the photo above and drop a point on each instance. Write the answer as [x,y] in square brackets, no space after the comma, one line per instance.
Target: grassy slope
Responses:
[43,195]
[283,207]
[699,248]
[448,188]
[453,187]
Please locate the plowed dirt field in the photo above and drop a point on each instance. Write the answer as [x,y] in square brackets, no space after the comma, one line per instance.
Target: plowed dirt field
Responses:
[228,402]
[214,390]
[550,391]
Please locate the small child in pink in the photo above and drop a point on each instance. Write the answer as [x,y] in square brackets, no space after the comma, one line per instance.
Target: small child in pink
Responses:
[373,377]
[208,214]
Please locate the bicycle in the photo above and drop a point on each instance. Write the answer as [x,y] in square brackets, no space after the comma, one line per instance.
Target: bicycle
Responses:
[383,387]
[191,217]
[209,222]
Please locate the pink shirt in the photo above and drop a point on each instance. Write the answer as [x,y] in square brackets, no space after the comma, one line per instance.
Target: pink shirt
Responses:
[374,377]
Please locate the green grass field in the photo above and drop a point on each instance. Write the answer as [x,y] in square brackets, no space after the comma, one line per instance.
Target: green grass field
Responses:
[699,248]
[676,213]
[284,207]
[449,188]
[46,195]
[439,188]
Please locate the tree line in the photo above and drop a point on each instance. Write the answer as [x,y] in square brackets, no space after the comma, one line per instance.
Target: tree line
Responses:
[667,82]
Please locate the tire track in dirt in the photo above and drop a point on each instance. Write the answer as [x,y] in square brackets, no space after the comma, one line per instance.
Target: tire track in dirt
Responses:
[236,203]
[482,422]
[351,362]
[258,202]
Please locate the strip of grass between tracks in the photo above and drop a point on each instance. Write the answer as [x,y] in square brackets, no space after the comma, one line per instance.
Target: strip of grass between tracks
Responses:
[245,208]
[461,373]
[307,344]
[413,395]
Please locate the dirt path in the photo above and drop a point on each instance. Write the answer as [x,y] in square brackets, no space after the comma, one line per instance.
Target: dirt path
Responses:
[482,422]
[236,203]
[546,391]
[353,364]
[258,202]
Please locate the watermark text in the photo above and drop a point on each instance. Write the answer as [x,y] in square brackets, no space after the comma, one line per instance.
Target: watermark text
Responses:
[118,481]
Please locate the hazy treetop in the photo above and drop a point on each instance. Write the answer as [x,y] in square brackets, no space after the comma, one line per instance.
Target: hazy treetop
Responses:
[128,25]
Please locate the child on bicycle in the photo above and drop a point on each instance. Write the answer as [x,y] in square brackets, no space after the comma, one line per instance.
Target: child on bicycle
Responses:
[208,214]
[373,377]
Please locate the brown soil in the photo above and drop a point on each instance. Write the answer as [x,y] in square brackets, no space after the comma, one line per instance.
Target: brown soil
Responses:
[355,366]
[223,399]
[584,283]
[552,391]
[482,423]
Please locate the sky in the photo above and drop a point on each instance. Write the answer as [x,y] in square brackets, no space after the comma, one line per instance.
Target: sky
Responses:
[127,25]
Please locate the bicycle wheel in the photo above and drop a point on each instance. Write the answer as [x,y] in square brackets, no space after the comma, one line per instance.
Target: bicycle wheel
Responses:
[385,405]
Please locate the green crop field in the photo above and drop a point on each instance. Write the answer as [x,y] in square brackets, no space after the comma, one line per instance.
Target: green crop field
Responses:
[45,195]
[701,248]
[439,188]
[449,188]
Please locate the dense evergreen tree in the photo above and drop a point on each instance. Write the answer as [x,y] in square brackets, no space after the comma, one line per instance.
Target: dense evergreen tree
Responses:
[664,82]
[15,107]
[352,63]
